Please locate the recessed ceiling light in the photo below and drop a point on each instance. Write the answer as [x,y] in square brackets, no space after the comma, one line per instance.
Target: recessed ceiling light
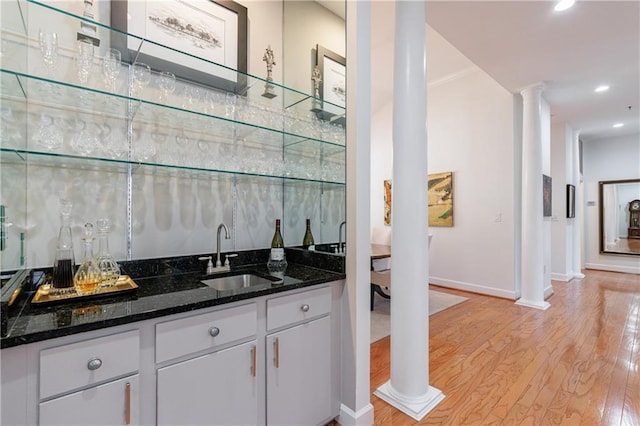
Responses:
[563,5]
[602,88]
[618,125]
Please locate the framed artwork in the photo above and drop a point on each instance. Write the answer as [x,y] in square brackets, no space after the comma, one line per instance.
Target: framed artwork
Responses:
[440,199]
[333,88]
[546,195]
[571,201]
[172,35]
[387,202]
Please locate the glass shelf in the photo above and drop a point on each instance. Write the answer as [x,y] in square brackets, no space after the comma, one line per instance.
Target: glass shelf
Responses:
[62,160]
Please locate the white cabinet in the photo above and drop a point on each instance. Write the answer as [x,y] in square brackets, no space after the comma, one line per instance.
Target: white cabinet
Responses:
[82,383]
[272,360]
[299,359]
[220,388]
[110,404]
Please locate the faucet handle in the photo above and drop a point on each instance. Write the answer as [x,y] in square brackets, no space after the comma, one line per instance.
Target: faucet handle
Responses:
[226,258]
[209,264]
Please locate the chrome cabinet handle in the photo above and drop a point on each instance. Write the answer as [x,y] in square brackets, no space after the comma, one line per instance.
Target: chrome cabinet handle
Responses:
[127,404]
[94,364]
[214,331]
[305,308]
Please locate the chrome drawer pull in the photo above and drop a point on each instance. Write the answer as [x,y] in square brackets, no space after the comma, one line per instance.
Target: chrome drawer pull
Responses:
[214,331]
[94,364]
[305,308]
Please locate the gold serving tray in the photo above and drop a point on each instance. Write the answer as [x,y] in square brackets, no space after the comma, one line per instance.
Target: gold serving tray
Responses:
[124,285]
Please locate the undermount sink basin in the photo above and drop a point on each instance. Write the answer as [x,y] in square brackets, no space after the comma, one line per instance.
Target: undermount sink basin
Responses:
[235,282]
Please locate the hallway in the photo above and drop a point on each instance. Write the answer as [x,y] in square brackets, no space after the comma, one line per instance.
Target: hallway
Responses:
[499,363]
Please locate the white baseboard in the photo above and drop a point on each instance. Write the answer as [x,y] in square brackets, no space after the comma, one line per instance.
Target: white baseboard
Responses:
[613,268]
[548,292]
[474,288]
[561,277]
[363,416]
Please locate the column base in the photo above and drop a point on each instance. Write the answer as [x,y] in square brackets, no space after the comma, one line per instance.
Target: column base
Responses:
[578,275]
[363,416]
[532,304]
[417,408]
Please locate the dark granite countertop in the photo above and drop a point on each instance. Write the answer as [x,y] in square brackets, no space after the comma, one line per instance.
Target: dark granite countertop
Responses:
[165,287]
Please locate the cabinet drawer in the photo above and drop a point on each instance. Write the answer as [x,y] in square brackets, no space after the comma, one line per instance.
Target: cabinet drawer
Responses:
[187,335]
[69,367]
[298,307]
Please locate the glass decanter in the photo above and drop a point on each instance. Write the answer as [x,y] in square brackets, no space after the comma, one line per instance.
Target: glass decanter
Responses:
[109,269]
[64,263]
[88,277]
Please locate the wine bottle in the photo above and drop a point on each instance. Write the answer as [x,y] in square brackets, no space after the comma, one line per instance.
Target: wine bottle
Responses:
[307,240]
[277,262]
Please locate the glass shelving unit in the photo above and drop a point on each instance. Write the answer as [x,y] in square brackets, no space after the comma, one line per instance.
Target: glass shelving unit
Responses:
[50,119]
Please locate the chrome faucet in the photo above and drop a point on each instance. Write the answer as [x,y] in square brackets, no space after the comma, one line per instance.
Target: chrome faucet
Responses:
[219,266]
[340,248]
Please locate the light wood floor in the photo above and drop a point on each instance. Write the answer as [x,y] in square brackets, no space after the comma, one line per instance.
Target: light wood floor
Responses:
[577,363]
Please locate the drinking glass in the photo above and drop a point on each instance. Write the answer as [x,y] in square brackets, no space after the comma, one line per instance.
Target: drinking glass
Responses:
[141,77]
[167,84]
[111,68]
[47,134]
[84,60]
[48,42]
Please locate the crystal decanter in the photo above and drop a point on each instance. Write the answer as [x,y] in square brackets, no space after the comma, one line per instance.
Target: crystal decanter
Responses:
[109,269]
[88,277]
[64,263]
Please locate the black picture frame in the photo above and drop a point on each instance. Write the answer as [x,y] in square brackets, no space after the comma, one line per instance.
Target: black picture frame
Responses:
[230,77]
[571,201]
[333,70]
[546,196]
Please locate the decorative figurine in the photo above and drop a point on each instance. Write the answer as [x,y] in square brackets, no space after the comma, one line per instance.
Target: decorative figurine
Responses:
[316,77]
[88,31]
[270,60]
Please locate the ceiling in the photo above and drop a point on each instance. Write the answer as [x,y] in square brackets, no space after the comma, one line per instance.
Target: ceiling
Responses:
[520,43]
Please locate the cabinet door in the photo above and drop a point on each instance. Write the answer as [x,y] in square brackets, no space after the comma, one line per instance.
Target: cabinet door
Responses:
[299,374]
[113,403]
[218,388]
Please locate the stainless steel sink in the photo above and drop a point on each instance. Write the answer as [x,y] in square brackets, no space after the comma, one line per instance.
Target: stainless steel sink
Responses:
[235,282]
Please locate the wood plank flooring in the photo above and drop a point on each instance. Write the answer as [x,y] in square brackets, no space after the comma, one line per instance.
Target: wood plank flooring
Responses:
[577,363]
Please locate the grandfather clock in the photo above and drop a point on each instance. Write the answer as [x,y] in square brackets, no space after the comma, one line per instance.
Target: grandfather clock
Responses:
[634,219]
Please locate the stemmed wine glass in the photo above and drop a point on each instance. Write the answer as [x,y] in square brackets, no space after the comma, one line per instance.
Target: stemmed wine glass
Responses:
[111,68]
[47,134]
[167,84]
[141,77]
[48,42]
[84,60]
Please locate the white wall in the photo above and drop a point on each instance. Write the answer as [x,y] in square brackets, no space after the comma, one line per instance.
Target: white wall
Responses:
[470,124]
[607,159]
[301,37]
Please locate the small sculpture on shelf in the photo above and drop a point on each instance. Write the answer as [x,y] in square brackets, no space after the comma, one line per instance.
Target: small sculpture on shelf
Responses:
[88,31]
[316,77]
[270,61]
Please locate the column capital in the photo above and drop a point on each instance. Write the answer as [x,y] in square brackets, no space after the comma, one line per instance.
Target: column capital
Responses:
[533,91]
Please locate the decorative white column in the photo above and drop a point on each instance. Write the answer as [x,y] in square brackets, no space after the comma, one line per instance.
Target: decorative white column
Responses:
[578,223]
[409,390]
[532,291]
[356,408]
